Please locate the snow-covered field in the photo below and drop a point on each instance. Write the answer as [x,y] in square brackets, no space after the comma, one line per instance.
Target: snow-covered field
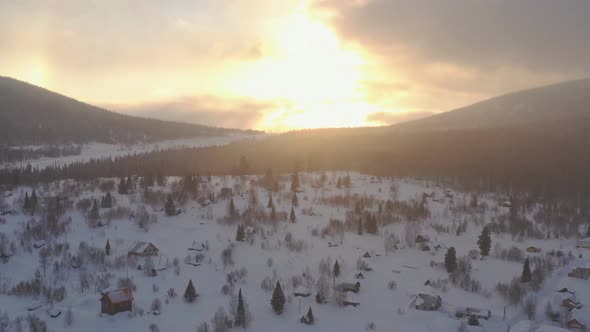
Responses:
[102,150]
[387,294]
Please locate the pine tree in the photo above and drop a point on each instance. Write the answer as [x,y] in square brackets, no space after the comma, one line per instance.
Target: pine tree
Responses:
[295,200]
[484,242]
[241,318]
[371,224]
[33,202]
[359,230]
[107,201]
[107,248]
[240,234]
[451,260]
[474,204]
[278,299]
[122,188]
[232,209]
[94,214]
[190,294]
[588,231]
[310,318]
[129,184]
[294,182]
[26,204]
[292,216]
[270,203]
[346,182]
[526,272]
[273,214]
[336,269]
[169,207]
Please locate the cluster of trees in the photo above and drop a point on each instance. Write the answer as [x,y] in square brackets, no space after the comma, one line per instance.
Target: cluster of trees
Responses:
[13,154]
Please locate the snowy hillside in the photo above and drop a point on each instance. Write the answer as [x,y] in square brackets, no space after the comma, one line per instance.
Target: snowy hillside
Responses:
[59,252]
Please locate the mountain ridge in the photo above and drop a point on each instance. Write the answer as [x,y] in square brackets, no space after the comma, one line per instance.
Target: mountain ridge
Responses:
[30,114]
[538,106]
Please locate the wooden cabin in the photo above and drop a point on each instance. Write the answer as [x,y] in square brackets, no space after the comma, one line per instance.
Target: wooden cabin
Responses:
[116,301]
[143,249]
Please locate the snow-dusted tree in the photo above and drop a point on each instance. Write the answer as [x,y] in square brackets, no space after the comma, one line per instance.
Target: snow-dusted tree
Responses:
[323,290]
[232,211]
[390,243]
[94,215]
[292,216]
[170,207]
[474,202]
[473,320]
[34,201]
[204,327]
[278,299]
[484,242]
[242,315]
[295,200]
[240,233]
[309,317]
[270,203]
[107,248]
[190,294]
[359,229]
[526,272]
[122,188]
[530,308]
[336,269]
[27,203]
[69,317]
[371,224]
[451,260]
[221,321]
[107,201]
[294,182]
[154,328]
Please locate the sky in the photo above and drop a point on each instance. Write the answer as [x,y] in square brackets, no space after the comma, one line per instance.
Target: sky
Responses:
[279,65]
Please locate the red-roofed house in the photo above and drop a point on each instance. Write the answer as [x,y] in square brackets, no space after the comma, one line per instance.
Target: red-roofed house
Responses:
[116,301]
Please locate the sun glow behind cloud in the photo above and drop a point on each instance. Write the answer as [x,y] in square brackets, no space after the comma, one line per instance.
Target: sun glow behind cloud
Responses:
[311,72]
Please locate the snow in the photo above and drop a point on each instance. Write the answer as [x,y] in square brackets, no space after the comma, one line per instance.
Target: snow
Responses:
[389,310]
[102,150]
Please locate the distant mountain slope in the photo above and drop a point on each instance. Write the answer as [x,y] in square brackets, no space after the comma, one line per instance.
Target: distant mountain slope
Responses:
[32,115]
[559,107]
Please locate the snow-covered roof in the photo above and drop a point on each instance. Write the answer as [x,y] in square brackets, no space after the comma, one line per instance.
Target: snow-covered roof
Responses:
[119,295]
[139,246]
[548,328]
[581,315]
[427,299]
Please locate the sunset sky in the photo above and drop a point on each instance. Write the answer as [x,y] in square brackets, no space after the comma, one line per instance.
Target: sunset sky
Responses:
[284,64]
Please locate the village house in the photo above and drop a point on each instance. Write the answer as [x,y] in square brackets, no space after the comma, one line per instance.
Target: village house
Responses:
[428,302]
[422,239]
[471,311]
[116,301]
[580,273]
[301,292]
[350,287]
[571,304]
[359,276]
[143,249]
[533,250]
[583,243]
[578,320]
